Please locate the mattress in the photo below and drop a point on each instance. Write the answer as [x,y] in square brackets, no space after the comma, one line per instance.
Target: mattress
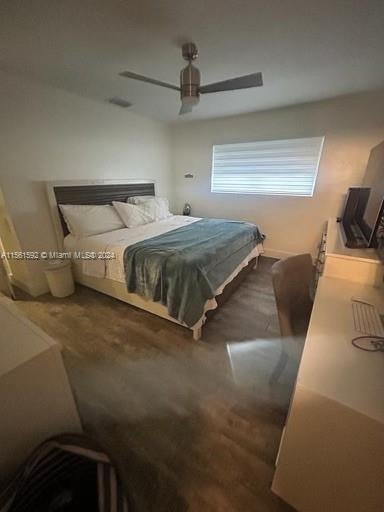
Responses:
[115,242]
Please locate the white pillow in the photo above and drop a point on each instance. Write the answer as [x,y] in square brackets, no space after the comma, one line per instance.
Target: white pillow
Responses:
[157,207]
[133,215]
[138,199]
[88,219]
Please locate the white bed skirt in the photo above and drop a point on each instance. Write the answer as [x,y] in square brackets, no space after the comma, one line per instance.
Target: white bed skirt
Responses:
[119,291]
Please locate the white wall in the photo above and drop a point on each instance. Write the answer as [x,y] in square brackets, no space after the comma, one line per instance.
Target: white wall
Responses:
[352,125]
[49,134]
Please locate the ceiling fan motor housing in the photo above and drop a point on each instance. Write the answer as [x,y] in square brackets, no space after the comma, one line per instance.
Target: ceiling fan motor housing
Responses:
[190,84]
[189,51]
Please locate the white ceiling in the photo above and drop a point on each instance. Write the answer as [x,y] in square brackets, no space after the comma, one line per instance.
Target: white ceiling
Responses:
[307,50]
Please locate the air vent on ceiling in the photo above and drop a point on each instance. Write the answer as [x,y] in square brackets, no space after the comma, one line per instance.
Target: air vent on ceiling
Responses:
[120,102]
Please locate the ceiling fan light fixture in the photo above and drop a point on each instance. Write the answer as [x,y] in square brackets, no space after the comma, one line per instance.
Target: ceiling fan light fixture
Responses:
[190,100]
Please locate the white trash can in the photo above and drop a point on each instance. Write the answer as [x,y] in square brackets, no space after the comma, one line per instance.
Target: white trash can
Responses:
[59,277]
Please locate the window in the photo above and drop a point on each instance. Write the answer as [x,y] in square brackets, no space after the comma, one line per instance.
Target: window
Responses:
[276,167]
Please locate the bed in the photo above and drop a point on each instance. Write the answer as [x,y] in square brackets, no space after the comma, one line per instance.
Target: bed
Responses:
[110,276]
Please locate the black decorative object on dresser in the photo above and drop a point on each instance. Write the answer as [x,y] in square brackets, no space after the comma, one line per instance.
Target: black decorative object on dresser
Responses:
[187,209]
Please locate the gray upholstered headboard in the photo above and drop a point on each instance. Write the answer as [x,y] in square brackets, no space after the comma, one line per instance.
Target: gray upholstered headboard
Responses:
[103,193]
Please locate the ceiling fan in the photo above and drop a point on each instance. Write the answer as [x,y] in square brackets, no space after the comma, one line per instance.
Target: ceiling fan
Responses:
[190,88]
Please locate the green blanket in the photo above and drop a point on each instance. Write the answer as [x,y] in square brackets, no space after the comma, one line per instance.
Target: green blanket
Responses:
[183,268]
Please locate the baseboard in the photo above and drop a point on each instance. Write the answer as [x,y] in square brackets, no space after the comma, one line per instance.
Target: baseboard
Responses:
[274,253]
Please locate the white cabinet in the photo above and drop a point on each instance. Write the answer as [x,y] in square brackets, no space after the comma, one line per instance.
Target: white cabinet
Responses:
[36,400]
[331,456]
[355,265]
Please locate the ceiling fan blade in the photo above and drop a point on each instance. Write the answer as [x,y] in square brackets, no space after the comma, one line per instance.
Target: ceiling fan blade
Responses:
[135,76]
[241,82]
[185,109]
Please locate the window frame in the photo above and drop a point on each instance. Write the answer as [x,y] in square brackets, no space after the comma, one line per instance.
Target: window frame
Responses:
[269,193]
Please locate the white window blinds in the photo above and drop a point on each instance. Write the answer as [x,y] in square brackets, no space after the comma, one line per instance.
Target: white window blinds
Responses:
[282,167]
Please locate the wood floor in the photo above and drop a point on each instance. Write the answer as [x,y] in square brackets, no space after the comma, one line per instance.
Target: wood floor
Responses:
[191,425]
